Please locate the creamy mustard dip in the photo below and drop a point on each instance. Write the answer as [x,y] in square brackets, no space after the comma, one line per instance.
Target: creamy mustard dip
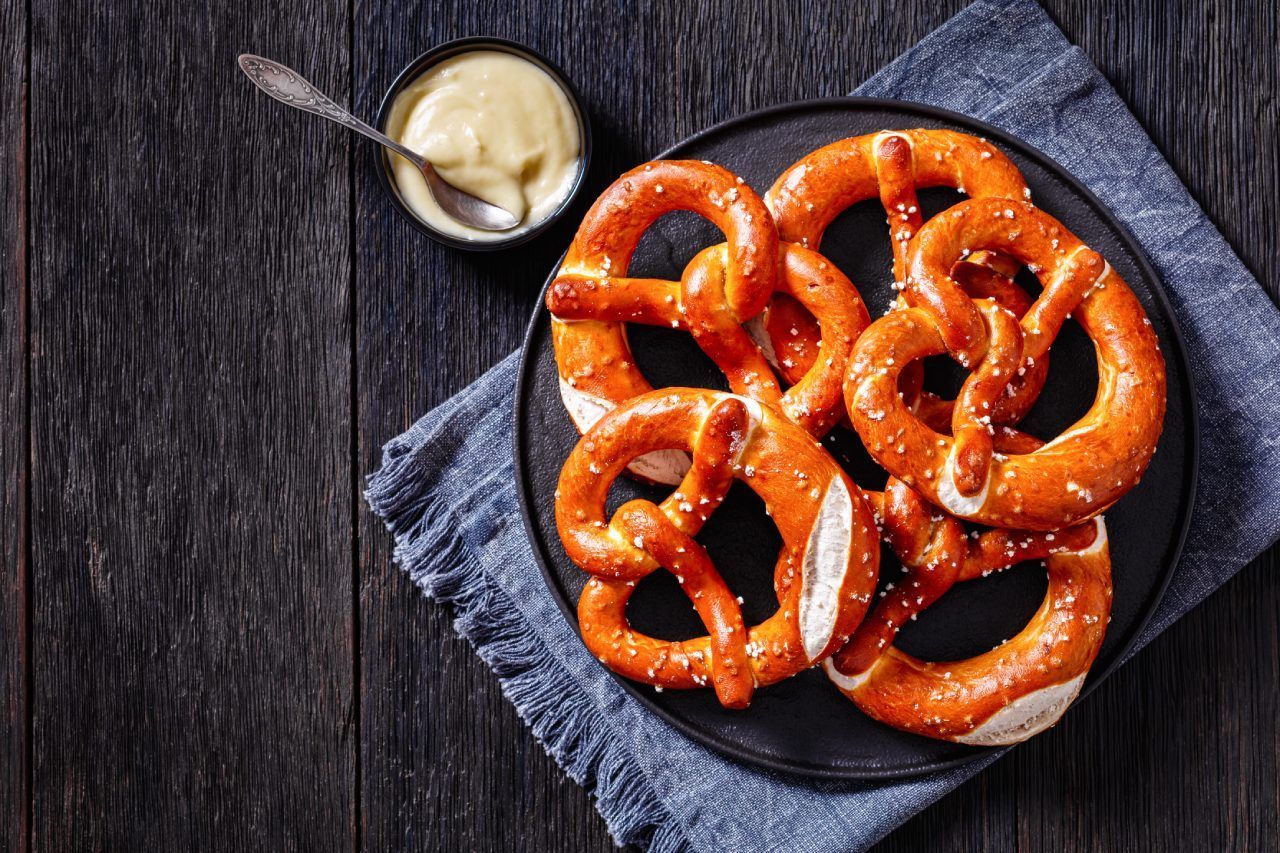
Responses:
[494,125]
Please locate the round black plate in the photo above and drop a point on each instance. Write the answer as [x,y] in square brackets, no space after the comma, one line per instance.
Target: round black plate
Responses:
[803,725]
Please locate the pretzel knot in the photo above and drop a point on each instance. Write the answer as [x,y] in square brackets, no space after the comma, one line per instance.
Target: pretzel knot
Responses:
[824,576]
[724,285]
[1082,471]
[1003,696]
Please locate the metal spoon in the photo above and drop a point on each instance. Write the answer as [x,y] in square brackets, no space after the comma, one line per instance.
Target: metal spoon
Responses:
[289,87]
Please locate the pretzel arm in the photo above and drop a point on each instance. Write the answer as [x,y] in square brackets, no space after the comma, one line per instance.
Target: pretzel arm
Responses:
[972,415]
[651,301]
[1000,548]
[895,173]
[679,554]
[716,452]
[930,548]
[719,333]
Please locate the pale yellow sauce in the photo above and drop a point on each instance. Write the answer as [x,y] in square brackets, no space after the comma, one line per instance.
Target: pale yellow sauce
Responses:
[494,125]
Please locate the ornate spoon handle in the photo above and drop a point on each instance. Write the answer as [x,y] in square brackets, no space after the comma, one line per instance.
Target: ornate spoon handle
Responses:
[289,87]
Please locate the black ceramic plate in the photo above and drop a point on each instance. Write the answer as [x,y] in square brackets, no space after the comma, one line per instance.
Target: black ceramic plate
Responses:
[803,725]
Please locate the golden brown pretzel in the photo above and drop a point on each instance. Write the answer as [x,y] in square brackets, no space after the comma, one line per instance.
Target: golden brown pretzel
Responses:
[825,572]
[786,326]
[892,165]
[591,299]
[1010,693]
[1082,471]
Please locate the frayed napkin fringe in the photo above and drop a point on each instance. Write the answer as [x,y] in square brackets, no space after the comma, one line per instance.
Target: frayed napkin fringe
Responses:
[562,717]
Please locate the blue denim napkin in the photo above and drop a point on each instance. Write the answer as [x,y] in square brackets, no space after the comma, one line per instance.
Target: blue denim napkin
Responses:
[448,496]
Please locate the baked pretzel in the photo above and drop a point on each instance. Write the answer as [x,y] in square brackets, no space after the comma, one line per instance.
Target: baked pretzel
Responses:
[785,326]
[1082,471]
[826,570]
[1003,696]
[592,298]
[892,165]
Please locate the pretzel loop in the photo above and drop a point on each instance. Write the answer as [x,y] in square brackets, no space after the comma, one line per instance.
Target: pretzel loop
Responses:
[891,165]
[612,229]
[611,550]
[809,195]
[591,298]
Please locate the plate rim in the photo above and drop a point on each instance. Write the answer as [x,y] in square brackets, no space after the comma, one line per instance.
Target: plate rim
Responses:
[1156,596]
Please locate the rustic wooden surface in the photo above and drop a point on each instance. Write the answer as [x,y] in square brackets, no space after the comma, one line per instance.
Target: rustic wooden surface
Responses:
[14,652]
[211,319]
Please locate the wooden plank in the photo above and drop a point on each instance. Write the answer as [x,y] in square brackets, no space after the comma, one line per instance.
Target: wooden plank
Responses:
[192,486]
[446,763]
[14,658]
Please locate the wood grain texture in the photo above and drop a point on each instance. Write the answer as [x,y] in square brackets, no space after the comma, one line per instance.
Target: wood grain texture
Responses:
[14,657]
[191,482]
[227,320]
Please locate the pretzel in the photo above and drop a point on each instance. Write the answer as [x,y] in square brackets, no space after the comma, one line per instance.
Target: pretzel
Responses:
[892,165]
[1082,471]
[591,298]
[826,569]
[1006,695]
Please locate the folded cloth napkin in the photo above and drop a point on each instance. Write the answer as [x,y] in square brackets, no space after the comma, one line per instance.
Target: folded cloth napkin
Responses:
[449,498]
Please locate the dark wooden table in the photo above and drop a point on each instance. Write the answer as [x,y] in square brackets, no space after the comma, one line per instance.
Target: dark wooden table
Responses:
[211,319]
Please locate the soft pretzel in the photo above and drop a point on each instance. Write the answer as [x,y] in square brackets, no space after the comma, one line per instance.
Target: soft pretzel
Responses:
[1003,696]
[1082,471]
[786,327]
[826,570]
[892,165]
[591,299]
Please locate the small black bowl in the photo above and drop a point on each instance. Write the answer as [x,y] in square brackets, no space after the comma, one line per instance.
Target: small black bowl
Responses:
[448,50]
